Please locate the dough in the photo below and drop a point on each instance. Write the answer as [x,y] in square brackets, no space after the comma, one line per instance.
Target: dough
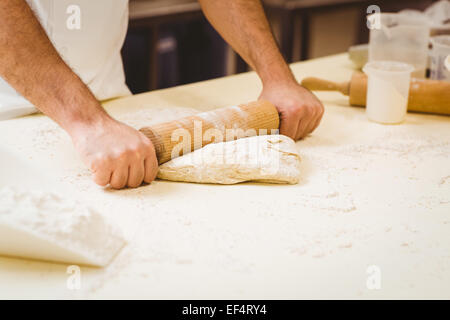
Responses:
[271,158]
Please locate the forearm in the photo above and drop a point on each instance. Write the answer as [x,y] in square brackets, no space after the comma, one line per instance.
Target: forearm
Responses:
[243,24]
[31,65]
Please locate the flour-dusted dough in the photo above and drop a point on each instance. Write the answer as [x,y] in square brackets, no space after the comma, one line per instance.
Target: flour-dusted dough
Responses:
[271,158]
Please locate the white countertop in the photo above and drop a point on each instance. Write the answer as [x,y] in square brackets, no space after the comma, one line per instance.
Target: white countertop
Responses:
[371,195]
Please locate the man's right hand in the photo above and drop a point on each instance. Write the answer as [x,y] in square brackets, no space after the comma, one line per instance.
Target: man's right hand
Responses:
[116,154]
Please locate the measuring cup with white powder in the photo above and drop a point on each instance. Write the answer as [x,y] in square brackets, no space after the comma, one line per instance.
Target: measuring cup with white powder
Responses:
[387,90]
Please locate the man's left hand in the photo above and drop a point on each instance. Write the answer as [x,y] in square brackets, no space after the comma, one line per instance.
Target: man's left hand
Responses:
[300,110]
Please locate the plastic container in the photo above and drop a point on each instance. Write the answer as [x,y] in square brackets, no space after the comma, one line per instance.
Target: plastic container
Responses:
[397,37]
[387,90]
[440,50]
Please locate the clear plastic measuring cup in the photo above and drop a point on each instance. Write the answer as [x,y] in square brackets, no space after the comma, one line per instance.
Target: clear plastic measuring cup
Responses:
[440,50]
[387,90]
[397,37]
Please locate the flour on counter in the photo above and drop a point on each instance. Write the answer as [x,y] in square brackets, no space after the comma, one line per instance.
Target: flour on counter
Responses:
[45,226]
[146,117]
[361,183]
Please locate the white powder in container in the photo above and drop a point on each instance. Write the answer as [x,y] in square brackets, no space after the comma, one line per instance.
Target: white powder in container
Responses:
[45,226]
[387,90]
[385,104]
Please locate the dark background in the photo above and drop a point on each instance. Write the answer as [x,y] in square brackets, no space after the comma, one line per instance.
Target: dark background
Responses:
[169,42]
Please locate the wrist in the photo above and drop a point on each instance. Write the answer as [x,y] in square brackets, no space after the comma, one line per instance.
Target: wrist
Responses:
[89,118]
[74,107]
[279,77]
[280,84]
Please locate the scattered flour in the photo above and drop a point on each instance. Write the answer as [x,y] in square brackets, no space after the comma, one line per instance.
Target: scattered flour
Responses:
[46,226]
[46,136]
[146,117]
[332,217]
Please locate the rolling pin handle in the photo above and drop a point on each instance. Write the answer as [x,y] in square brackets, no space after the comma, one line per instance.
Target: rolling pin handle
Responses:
[316,84]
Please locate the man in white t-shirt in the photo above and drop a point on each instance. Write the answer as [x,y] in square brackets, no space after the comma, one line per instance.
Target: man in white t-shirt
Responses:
[63,56]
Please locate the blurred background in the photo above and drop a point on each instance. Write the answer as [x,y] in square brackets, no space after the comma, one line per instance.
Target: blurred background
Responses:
[169,42]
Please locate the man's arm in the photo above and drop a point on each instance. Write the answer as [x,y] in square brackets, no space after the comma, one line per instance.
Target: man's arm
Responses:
[117,154]
[243,24]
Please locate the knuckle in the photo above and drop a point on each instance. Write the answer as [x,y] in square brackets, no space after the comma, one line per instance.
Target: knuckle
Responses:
[145,141]
[135,151]
[296,108]
[292,103]
[291,112]
[94,166]
[124,154]
[311,109]
[306,111]
[137,147]
[127,152]
[313,112]
[99,162]
[300,113]
[322,110]
[116,155]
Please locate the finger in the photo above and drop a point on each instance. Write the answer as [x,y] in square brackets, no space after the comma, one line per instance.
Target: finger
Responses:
[119,177]
[302,128]
[289,124]
[101,170]
[315,116]
[136,174]
[316,123]
[102,177]
[151,169]
[310,125]
[319,119]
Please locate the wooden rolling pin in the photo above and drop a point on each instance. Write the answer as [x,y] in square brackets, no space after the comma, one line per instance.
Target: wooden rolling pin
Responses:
[428,96]
[259,115]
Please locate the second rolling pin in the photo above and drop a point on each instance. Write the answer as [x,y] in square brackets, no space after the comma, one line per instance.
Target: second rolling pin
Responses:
[428,96]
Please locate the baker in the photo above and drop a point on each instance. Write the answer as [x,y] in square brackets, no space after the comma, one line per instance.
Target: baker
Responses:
[63,57]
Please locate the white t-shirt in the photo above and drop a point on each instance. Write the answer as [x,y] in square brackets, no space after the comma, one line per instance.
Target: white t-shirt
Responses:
[88,34]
